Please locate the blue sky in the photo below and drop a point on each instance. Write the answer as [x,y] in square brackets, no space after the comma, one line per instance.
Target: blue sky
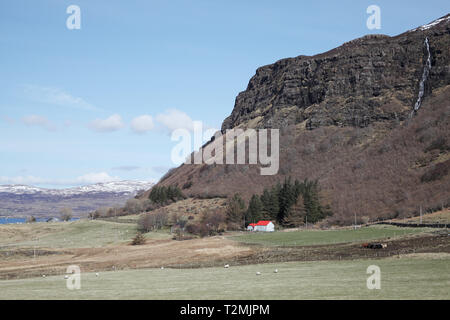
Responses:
[98,104]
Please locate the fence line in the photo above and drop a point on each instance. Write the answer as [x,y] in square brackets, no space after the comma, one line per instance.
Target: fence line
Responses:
[415,225]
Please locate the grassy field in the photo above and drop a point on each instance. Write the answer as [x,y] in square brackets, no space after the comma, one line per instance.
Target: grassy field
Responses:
[404,278]
[98,233]
[76,234]
[318,237]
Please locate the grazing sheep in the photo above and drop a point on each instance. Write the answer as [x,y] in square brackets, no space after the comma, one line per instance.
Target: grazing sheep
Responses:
[258,273]
[43,276]
[227,266]
[276,270]
[66,277]
[96,274]
[162,268]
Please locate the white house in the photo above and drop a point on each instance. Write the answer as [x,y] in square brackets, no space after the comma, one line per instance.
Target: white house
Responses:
[266,226]
[251,227]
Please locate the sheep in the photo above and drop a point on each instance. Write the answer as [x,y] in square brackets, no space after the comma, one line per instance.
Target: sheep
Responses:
[258,273]
[43,276]
[227,266]
[162,268]
[96,274]
[66,277]
[275,271]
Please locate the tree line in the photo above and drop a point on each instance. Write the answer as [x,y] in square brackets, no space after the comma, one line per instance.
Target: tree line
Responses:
[291,203]
[163,195]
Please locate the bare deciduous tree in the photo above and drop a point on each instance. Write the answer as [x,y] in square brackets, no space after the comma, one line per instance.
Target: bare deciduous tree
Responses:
[66,214]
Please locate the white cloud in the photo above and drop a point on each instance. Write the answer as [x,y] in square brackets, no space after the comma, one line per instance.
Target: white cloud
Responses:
[99,177]
[142,124]
[89,178]
[160,169]
[57,97]
[8,120]
[39,121]
[174,119]
[126,168]
[22,180]
[113,123]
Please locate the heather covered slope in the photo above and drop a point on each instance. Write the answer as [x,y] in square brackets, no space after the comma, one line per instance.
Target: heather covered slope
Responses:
[344,120]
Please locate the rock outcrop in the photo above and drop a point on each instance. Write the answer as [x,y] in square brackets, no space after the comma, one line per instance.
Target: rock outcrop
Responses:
[373,78]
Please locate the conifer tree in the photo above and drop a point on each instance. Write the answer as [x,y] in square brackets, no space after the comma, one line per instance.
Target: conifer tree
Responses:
[296,214]
[235,210]
[286,199]
[254,211]
[270,202]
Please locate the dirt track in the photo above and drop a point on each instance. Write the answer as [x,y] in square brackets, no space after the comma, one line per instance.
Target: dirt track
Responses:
[197,253]
[21,263]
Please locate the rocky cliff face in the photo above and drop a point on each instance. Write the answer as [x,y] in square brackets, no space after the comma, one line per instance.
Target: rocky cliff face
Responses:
[373,78]
[345,120]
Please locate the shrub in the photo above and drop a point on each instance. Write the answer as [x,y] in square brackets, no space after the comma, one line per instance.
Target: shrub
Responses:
[213,220]
[179,220]
[437,172]
[197,228]
[139,239]
[192,228]
[94,215]
[365,219]
[100,213]
[187,185]
[235,210]
[210,224]
[206,196]
[66,214]
[31,219]
[153,221]
[439,143]
[133,206]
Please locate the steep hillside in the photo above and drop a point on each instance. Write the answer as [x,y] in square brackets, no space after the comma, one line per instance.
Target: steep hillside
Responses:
[346,117]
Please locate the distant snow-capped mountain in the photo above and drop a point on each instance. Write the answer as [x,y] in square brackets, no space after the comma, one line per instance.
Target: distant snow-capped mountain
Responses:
[127,187]
[23,200]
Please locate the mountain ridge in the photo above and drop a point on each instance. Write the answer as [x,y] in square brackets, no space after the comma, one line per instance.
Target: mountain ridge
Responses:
[124,186]
[23,201]
[344,120]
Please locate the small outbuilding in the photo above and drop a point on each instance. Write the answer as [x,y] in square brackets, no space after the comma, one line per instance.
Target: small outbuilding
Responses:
[263,225]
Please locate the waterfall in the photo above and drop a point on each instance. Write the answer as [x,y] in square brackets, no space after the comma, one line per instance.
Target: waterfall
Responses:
[425,74]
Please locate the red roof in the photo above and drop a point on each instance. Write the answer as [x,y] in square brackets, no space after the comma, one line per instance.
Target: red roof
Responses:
[252,224]
[263,223]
